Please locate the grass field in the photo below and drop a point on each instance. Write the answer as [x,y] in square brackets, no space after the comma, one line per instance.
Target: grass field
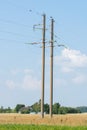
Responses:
[40,127]
[61,120]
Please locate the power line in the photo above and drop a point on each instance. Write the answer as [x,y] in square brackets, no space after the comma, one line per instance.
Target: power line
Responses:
[11,40]
[14,22]
[16,5]
[14,33]
[26,9]
[34,12]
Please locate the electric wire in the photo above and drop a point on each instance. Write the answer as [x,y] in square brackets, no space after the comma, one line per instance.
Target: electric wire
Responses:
[14,33]
[29,11]
[14,22]
[12,40]
[16,5]
[26,9]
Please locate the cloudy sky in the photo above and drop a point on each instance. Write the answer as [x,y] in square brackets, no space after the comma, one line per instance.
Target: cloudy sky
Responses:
[20,63]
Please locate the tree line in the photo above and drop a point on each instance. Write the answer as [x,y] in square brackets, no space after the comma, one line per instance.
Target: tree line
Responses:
[36,108]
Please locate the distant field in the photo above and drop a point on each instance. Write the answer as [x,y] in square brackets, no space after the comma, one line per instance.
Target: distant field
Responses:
[60,120]
[40,127]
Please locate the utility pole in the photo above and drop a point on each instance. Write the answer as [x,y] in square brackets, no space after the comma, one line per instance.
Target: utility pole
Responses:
[43,64]
[51,67]
[43,61]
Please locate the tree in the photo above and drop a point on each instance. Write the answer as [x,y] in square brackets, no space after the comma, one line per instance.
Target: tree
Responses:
[18,107]
[2,109]
[36,107]
[7,110]
[82,109]
[56,107]
[25,110]
[63,110]
[46,108]
[73,110]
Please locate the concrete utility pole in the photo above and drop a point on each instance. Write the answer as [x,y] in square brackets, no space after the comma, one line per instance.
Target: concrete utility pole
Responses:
[51,66]
[43,64]
[43,61]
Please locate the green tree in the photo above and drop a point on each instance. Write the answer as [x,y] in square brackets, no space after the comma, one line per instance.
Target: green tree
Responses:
[46,108]
[2,109]
[63,110]
[73,110]
[25,110]
[18,107]
[8,110]
[56,107]
[36,107]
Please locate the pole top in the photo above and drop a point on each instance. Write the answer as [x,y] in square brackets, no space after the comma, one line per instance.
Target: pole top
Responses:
[52,18]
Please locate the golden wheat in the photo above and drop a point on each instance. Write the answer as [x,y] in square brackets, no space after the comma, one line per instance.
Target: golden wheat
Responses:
[68,119]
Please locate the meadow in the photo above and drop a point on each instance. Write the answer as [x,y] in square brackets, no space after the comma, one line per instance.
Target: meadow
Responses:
[35,122]
[39,127]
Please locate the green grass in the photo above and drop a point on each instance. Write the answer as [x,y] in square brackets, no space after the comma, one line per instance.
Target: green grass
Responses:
[40,127]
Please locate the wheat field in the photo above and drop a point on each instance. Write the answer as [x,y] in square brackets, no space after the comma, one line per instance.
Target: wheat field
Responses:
[68,119]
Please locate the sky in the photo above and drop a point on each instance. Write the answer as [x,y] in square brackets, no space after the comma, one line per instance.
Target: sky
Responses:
[21,64]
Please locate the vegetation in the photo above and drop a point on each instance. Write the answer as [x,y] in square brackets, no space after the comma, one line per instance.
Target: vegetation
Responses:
[40,127]
[36,108]
[18,107]
[5,110]
[56,107]
[82,109]
[65,110]
[60,120]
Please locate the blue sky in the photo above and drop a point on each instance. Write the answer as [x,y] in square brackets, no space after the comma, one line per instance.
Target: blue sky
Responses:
[20,64]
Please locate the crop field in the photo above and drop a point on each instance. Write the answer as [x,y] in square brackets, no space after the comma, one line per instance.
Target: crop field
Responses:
[35,122]
[40,127]
[64,120]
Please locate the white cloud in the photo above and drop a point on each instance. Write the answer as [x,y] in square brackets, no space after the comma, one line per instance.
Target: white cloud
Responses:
[80,79]
[15,72]
[27,80]
[69,60]
[75,58]
[28,71]
[67,69]
[30,82]
[60,82]
[72,66]
[18,71]
[10,84]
